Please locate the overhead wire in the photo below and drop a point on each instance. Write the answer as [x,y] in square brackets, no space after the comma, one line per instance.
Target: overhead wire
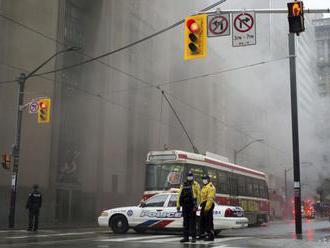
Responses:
[91,59]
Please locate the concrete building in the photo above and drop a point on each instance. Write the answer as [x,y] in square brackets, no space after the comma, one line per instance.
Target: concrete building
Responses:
[108,114]
[322,33]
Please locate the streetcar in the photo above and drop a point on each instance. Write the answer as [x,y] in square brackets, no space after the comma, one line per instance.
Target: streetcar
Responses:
[236,185]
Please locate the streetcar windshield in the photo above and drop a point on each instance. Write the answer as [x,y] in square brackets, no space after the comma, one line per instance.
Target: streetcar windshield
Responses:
[164,176]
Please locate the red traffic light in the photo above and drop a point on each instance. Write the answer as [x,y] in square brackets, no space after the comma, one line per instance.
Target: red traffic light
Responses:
[42,105]
[296,9]
[193,26]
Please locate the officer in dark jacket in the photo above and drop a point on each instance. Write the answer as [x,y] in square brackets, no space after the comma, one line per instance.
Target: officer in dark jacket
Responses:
[188,199]
[33,204]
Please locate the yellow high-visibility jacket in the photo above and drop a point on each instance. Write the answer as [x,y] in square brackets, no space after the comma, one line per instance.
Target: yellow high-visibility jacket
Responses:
[208,195]
[196,193]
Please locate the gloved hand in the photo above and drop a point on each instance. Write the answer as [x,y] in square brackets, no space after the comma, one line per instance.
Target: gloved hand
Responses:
[178,209]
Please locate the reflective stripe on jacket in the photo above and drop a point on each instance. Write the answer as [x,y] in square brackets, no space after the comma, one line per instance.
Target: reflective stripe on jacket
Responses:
[196,193]
[208,195]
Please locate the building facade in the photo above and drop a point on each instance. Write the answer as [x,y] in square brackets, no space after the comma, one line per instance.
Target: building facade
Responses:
[108,114]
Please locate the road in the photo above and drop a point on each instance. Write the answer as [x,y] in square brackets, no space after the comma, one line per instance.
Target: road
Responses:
[280,234]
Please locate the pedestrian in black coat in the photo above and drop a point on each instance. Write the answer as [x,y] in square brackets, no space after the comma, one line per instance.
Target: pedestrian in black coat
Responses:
[33,204]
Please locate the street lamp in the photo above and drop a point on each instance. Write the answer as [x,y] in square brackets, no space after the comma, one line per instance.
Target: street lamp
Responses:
[16,148]
[236,152]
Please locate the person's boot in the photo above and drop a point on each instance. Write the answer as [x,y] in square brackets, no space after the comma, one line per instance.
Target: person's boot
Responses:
[210,237]
[193,240]
[201,237]
[185,239]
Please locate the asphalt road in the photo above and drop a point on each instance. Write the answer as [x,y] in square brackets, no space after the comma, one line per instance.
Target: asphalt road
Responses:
[280,234]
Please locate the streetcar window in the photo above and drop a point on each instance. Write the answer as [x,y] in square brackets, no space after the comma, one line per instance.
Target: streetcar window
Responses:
[223,182]
[241,185]
[249,187]
[213,176]
[255,188]
[171,176]
[265,189]
[163,177]
[152,175]
[198,172]
[233,182]
[262,189]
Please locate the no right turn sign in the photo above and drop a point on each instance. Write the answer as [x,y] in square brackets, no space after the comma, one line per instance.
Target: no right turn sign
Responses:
[244,29]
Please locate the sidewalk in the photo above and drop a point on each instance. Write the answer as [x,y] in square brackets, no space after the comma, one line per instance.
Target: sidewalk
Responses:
[55,226]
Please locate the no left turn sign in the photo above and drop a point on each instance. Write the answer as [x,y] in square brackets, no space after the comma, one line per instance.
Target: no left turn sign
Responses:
[218,25]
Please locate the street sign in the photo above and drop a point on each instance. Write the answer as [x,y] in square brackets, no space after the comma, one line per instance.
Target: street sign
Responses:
[33,107]
[244,29]
[218,25]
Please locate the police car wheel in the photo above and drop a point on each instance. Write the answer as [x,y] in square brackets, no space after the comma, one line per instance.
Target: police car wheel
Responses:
[119,224]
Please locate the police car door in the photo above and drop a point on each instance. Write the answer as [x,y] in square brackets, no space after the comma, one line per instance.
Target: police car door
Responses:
[174,218]
[151,214]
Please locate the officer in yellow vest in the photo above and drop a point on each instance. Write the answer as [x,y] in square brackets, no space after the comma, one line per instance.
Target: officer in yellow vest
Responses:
[207,206]
[189,200]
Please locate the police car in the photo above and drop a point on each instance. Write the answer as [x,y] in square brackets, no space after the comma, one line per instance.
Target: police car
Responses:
[159,212]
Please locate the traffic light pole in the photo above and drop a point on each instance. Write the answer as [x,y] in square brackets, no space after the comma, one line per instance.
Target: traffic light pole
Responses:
[295,136]
[16,149]
[265,11]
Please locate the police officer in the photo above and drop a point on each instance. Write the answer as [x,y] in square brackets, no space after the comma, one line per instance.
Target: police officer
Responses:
[189,199]
[207,206]
[33,204]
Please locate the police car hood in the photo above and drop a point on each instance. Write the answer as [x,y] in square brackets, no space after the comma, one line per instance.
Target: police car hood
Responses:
[121,210]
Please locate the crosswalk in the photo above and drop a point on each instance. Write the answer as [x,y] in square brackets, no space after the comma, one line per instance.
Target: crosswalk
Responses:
[50,235]
[163,239]
[107,239]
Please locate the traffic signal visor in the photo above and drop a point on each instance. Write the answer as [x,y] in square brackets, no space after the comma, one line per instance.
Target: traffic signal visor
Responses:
[296,17]
[195,45]
[296,8]
[44,110]
[6,161]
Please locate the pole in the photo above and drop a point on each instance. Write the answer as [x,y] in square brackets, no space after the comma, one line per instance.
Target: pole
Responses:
[235,156]
[286,186]
[286,194]
[265,11]
[295,136]
[16,150]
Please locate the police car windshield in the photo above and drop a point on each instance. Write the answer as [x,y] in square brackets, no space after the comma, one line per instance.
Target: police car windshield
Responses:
[164,176]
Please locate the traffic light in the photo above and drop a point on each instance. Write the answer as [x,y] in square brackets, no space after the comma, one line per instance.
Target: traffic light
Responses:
[44,110]
[296,17]
[195,37]
[6,161]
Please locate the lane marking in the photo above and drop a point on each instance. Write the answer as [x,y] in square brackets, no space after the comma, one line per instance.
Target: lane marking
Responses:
[42,243]
[223,246]
[136,238]
[220,240]
[161,240]
[50,235]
